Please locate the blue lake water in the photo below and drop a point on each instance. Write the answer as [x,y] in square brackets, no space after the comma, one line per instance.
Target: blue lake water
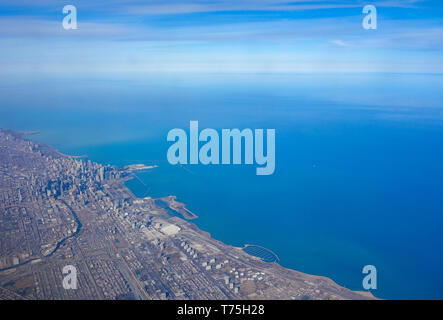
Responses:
[358,178]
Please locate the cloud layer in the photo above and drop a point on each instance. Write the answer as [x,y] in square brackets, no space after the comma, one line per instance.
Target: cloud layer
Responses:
[225,35]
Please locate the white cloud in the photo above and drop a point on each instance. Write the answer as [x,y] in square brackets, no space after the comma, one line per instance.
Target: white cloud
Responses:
[339,43]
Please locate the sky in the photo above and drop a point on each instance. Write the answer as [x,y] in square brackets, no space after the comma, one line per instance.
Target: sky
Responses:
[221,36]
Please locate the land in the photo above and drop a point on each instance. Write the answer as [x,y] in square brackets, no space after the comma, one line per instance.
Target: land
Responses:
[58,210]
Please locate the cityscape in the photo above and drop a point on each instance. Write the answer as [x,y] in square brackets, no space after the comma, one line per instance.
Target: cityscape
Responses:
[220,157]
[57,210]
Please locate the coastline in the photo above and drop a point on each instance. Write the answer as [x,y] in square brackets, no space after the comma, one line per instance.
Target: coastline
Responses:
[184,221]
[275,265]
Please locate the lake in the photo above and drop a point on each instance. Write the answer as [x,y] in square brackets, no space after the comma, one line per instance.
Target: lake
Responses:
[358,177]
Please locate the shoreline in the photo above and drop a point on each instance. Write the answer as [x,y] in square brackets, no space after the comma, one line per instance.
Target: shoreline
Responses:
[367,294]
[187,216]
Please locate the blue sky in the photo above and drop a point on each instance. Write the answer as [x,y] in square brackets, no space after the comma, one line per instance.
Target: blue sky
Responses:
[221,36]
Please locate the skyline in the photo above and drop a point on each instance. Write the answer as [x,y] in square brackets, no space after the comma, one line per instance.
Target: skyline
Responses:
[222,36]
[136,112]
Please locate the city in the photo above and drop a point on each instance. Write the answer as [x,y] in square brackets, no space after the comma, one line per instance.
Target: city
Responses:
[58,210]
